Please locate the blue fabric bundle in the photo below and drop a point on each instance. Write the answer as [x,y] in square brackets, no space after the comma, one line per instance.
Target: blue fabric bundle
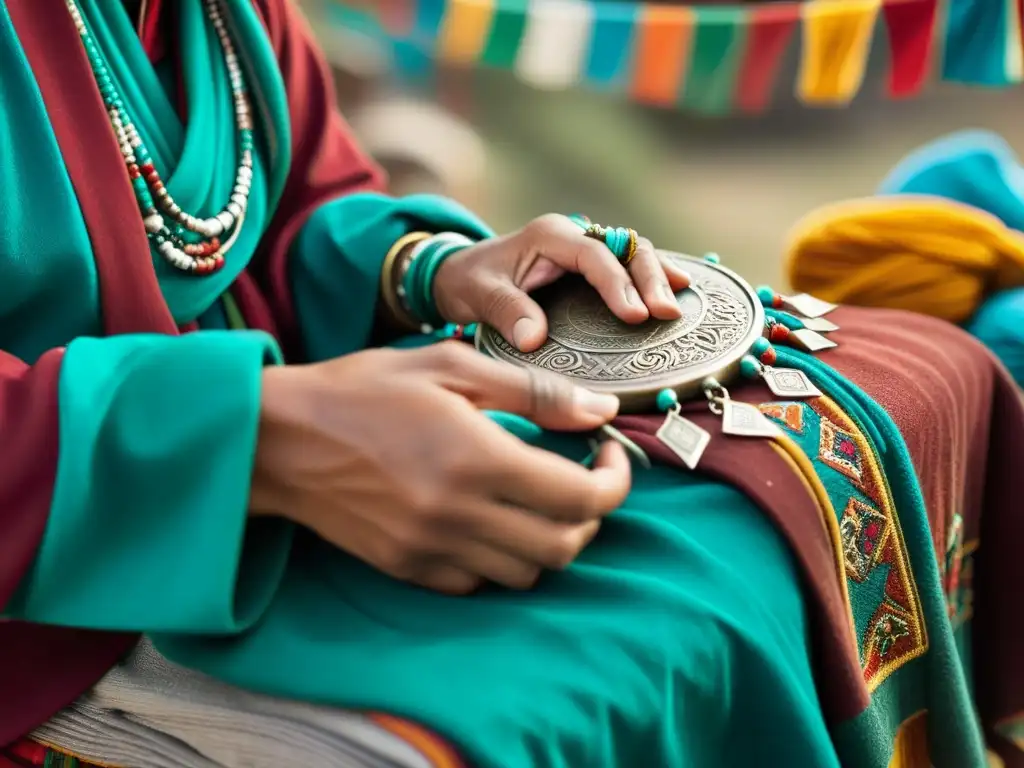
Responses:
[980,169]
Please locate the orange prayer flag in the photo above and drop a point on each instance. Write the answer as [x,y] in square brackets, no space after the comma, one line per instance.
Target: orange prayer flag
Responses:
[661,53]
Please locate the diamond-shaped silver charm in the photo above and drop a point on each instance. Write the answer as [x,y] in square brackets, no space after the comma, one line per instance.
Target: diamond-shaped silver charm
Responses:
[809,341]
[806,305]
[819,324]
[789,383]
[684,438]
[746,420]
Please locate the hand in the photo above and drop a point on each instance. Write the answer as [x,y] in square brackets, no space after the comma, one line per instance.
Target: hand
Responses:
[386,454]
[489,281]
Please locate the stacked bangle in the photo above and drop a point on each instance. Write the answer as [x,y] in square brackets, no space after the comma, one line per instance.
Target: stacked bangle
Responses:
[416,282]
[387,275]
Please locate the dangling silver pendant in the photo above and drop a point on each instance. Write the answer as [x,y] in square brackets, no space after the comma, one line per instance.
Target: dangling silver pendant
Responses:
[809,341]
[746,420]
[806,305]
[789,383]
[684,438]
[819,324]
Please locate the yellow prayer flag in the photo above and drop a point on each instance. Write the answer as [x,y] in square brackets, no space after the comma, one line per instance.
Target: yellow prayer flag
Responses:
[837,37]
[464,30]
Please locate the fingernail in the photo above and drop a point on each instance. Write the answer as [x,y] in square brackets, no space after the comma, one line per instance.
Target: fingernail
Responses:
[605,406]
[522,330]
[632,297]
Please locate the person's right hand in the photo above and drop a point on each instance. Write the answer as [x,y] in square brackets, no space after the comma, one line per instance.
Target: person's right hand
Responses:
[386,454]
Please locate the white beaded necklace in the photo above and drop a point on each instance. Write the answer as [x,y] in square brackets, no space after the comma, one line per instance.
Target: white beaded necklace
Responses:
[206,255]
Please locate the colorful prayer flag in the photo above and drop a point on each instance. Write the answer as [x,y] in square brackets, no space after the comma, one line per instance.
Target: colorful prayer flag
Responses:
[716,54]
[770,30]
[464,30]
[912,30]
[608,58]
[836,45]
[661,49]
[506,32]
[976,42]
[554,42]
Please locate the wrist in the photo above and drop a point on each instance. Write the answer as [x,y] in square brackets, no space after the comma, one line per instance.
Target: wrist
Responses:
[268,490]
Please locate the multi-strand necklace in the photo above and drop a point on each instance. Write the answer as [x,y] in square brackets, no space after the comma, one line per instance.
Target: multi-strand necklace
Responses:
[167,225]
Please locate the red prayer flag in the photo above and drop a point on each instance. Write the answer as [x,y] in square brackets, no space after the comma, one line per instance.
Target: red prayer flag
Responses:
[770,30]
[911,25]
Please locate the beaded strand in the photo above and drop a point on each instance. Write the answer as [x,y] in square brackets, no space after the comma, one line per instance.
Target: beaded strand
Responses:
[206,255]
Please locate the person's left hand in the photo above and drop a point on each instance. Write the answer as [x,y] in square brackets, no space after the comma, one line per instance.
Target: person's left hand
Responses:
[490,281]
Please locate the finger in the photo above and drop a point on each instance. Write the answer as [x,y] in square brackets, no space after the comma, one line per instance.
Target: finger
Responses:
[559,489]
[678,277]
[514,315]
[547,399]
[561,242]
[651,280]
[449,580]
[498,566]
[530,537]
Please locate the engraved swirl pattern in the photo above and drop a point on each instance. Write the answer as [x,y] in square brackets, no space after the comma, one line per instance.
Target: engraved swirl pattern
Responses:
[725,320]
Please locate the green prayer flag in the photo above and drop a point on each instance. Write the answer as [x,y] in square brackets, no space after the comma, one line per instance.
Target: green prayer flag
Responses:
[502,44]
[719,42]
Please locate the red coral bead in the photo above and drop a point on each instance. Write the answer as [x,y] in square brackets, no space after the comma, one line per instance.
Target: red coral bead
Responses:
[768,357]
[776,301]
[778,332]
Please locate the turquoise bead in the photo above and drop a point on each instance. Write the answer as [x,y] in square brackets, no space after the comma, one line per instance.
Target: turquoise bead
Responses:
[667,400]
[760,346]
[765,294]
[749,367]
[712,258]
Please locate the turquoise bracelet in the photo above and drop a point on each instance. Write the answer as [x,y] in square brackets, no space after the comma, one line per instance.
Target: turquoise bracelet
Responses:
[418,279]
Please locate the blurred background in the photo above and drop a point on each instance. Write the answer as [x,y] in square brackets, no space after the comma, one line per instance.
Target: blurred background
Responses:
[732,184]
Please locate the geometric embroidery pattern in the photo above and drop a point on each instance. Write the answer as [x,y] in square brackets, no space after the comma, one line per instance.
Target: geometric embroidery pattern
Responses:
[839,450]
[875,559]
[862,529]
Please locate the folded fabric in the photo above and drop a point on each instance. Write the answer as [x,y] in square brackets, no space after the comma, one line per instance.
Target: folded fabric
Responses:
[924,254]
[150,712]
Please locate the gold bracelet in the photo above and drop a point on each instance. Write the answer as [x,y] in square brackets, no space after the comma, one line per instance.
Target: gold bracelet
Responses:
[387,277]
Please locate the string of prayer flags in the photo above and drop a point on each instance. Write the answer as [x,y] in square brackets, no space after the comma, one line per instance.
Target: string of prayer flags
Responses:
[912,29]
[770,31]
[711,59]
[836,45]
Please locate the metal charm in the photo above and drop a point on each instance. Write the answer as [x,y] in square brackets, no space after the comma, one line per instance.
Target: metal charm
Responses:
[721,318]
[809,341]
[819,324]
[789,383]
[806,305]
[746,420]
[684,438]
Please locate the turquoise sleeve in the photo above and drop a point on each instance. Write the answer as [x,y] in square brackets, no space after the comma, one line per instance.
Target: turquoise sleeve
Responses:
[335,262]
[148,528]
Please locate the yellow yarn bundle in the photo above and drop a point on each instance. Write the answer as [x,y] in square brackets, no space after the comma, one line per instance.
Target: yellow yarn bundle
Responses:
[925,254]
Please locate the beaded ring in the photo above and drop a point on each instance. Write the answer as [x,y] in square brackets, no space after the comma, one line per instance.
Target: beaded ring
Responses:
[621,241]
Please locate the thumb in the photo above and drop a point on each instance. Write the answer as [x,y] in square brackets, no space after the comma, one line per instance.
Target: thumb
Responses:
[517,317]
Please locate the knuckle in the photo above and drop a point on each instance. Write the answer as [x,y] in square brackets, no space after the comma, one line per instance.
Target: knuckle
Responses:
[449,355]
[547,225]
[500,300]
[549,393]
